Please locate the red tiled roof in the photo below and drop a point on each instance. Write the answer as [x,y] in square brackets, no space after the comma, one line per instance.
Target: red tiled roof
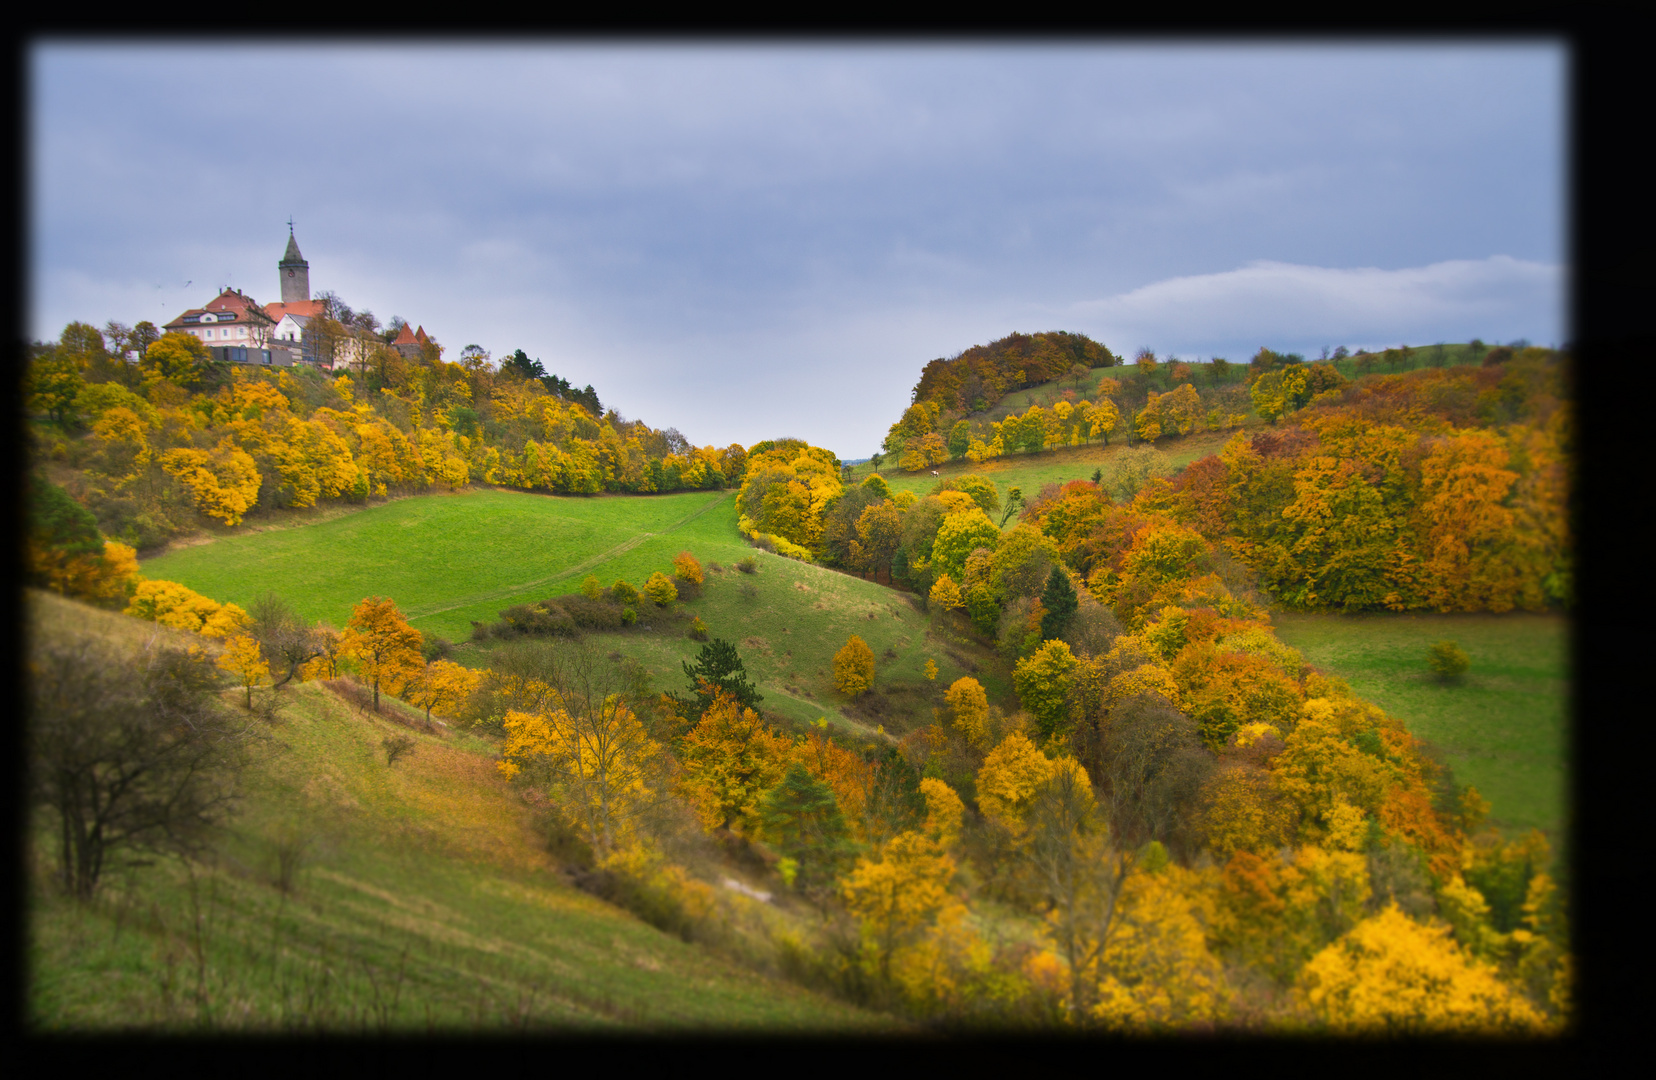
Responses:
[405,337]
[230,300]
[420,336]
[305,309]
[238,308]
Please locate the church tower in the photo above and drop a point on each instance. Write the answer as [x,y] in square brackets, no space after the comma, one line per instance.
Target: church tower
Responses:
[294,271]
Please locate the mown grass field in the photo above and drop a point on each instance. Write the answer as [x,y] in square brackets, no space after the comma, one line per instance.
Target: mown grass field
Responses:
[424,899]
[450,559]
[1504,728]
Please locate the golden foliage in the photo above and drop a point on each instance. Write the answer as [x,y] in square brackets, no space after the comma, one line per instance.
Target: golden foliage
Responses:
[1392,975]
[1156,971]
[944,811]
[686,568]
[854,668]
[600,764]
[107,577]
[382,643]
[946,594]
[731,758]
[243,658]
[1011,775]
[224,481]
[969,702]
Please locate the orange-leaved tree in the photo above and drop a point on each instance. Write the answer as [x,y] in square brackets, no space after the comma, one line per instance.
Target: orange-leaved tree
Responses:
[854,667]
[686,568]
[382,643]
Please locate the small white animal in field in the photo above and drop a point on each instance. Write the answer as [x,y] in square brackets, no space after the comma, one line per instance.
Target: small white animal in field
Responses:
[934,472]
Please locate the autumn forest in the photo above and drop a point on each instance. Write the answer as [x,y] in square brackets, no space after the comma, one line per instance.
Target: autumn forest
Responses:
[996,729]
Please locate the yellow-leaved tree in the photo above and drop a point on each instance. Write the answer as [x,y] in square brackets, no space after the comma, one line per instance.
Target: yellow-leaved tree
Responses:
[1011,775]
[854,668]
[969,702]
[946,594]
[441,684]
[382,643]
[731,759]
[1392,975]
[898,897]
[174,605]
[243,658]
[224,481]
[687,568]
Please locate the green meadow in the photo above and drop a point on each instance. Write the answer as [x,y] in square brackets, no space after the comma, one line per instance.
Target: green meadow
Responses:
[450,559]
[350,895]
[1503,728]
[1030,472]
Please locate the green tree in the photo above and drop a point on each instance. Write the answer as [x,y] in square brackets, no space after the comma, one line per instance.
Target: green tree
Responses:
[1060,604]
[54,384]
[1043,684]
[960,439]
[127,750]
[58,523]
[959,535]
[801,819]
[719,667]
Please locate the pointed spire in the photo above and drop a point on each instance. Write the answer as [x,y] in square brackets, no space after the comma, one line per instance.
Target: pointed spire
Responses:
[292,254]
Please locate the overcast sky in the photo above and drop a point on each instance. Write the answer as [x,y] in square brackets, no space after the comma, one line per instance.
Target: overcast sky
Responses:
[751,241]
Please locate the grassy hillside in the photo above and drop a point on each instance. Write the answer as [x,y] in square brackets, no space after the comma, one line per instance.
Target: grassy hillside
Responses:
[1031,471]
[423,898]
[1503,729]
[449,559]
[787,621]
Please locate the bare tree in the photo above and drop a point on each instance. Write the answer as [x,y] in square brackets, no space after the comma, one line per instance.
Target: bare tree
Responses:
[128,751]
[1082,871]
[287,642]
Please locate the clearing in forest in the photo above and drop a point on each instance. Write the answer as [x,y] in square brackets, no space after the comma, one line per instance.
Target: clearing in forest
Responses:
[1504,727]
[449,559]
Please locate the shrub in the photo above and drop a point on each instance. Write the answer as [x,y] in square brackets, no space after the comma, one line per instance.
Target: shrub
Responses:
[1447,661]
[749,565]
[660,589]
[698,630]
[686,568]
[623,594]
[590,614]
[628,616]
[590,587]
[397,746]
[536,620]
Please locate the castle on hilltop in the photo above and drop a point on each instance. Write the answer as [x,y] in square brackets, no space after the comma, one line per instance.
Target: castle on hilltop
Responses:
[236,329]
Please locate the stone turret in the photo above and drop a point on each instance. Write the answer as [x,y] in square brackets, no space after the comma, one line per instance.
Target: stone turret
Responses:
[295,273]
